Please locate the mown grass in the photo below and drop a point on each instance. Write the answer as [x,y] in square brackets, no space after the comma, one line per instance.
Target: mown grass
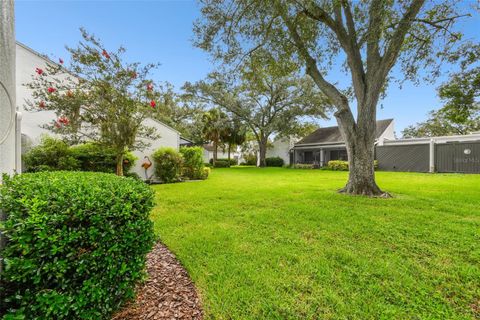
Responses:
[282,244]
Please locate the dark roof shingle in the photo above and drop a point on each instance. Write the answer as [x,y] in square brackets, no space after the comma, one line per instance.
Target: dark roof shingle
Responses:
[329,135]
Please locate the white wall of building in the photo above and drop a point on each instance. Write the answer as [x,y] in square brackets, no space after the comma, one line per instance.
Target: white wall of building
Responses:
[169,137]
[281,148]
[26,62]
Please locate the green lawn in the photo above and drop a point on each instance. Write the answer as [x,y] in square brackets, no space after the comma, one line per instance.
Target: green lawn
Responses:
[282,244]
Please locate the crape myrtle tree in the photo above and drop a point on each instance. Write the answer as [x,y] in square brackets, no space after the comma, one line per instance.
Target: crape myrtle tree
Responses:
[369,37]
[97,97]
[266,96]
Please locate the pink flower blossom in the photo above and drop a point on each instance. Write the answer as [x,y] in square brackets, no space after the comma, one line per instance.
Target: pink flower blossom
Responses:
[105,54]
[153,104]
[42,105]
[51,90]
[150,86]
[39,71]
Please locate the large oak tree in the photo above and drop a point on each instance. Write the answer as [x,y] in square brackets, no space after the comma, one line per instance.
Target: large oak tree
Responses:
[268,97]
[369,37]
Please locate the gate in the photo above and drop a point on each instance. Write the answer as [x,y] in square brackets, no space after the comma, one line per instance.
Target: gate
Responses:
[458,157]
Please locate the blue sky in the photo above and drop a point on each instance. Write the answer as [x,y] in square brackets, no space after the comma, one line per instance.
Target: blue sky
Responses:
[161,31]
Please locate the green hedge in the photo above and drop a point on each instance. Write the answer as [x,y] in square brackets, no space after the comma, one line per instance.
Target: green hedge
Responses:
[274,162]
[193,163]
[338,165]
[54,154]
[93,157]
[168,164]
[76,243]
[231,162]
[303,166]
[221,164]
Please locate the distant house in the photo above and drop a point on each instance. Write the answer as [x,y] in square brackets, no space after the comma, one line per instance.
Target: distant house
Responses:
[281,148]
[325,144]
[222,153]
[31,124]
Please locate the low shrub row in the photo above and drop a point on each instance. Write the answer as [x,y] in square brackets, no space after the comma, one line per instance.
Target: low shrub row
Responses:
[274,162]
[54,154]
[224,162]
[302,166]
[76,243]
[337,165]
[173,166]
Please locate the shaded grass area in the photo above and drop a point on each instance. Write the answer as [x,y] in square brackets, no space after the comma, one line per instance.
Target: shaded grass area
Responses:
[282,244]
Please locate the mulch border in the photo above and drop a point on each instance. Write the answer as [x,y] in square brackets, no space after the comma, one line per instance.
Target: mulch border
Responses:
[168,292]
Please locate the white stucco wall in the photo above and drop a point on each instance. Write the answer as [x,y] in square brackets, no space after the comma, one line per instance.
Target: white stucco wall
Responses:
[26,62]
[280,148]
[169,137]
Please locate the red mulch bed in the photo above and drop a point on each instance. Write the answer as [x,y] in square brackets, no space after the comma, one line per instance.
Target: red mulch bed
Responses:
[168,292]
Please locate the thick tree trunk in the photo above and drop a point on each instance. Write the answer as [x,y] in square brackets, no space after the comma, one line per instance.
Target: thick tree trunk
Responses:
[360,142]
[120,164]
[361,178]
[229,149]
[262,145]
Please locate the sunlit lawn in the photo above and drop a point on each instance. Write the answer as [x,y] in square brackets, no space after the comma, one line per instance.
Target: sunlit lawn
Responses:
[282,244]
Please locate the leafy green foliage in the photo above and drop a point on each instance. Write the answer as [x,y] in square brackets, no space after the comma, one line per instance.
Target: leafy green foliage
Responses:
[95,157]
[274,162]
[76,243]
[168,164]
[54,154]
[231,162]
[51,154]
[250,159]
[460,113]
[303,166]
[193,162]
[222,163]
[337,165]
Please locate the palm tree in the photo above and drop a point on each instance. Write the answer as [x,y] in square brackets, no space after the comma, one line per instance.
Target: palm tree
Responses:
[234,135]
[214,127]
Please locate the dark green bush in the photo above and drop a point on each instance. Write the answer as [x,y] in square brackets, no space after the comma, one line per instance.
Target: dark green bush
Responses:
[192,162]
[231,162]
[168,164]
[76,244]
[94,157]
[50,155]
[250,159]
[53,154]
[221,164]
[274,162]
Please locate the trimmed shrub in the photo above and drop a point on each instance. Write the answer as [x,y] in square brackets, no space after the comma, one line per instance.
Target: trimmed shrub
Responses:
[250,159]
[337,165]
[50,155]
[193,162]
[274,162]
[53,154]
[93,157]
[76,243]
[303,166]
[206,172]
[168,164]
[221,164]
[231,162]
